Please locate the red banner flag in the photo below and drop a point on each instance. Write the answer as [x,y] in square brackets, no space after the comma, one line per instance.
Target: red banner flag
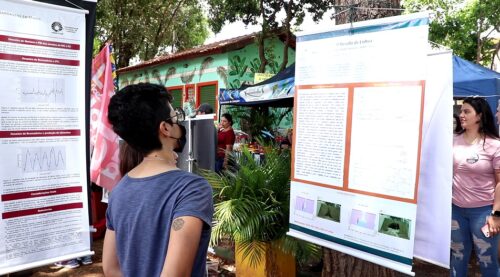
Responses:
[104,164]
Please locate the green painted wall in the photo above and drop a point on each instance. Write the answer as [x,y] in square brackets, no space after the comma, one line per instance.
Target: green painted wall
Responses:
[192,71]
[228,69]
[245,62]
[197,76]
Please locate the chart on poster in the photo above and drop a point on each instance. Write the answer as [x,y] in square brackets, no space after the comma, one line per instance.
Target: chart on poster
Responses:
[43,183]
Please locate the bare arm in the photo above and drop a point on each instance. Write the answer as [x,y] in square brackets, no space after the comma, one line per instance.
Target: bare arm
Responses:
[185,235]
[494,222]
[110,264]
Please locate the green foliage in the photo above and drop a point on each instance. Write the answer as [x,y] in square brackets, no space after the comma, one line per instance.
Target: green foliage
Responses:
[147,28]
[252,205]
[467,27]
[255,119]
[264,12]
[237,69]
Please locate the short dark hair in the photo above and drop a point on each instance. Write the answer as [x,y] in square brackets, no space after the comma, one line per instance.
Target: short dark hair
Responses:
[228,117]
[136,111]
[205,108]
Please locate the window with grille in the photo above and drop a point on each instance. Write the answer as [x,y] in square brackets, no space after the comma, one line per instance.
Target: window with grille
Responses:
[177,95]
[208,95]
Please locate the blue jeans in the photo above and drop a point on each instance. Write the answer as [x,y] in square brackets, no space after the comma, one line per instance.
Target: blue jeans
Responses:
[465,233]
[219,163]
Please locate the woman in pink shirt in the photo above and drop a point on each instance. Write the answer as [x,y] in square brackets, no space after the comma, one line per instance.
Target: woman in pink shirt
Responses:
[476,201]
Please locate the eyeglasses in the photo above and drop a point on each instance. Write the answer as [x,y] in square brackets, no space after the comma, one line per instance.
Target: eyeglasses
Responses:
[179,115]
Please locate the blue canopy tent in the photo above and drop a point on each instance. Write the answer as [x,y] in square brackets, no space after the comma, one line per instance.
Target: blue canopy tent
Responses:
[470,79]
[277,91]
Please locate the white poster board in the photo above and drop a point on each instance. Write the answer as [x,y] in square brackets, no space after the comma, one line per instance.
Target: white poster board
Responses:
[355,168]
[433,229]
[43,182]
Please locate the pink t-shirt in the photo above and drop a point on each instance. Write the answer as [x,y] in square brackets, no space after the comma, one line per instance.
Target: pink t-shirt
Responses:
[474,172]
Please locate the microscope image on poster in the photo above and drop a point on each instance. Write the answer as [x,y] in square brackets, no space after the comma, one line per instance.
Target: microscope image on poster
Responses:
[394,226]
[362,221]
[304,207]
[328,211]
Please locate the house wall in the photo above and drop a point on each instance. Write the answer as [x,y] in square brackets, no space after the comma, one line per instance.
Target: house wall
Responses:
[198,80]
[245,62]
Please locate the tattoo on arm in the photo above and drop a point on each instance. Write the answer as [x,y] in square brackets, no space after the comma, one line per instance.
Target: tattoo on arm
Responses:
[177,224]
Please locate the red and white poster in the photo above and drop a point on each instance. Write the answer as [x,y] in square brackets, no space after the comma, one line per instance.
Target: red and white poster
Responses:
[43,184]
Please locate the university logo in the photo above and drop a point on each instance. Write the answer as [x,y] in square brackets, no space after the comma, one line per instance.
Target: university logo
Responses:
[57,26]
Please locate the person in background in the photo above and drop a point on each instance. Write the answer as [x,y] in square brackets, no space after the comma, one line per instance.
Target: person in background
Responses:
[457,127]
[287,142]
[158,217]
[129,158]
[225,142]
[476,191]
[204,108]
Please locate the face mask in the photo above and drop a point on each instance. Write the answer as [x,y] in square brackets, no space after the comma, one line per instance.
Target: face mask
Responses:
[181,141]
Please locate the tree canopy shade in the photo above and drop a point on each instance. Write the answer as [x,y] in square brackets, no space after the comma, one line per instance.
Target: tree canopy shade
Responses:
[467,27]
[265,12]
[147,28]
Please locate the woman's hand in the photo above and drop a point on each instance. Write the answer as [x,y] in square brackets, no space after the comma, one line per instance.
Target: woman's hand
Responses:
[493,225]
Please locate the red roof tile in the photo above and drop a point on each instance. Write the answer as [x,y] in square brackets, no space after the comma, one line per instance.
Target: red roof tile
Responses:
[204,50]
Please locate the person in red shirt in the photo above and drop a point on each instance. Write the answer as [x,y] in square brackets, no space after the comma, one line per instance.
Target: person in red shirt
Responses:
[225,141]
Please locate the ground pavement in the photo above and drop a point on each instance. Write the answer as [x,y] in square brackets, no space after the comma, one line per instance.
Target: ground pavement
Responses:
[217,268]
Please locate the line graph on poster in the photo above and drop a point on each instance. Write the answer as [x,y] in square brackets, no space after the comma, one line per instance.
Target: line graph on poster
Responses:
[41,90]
[40,159]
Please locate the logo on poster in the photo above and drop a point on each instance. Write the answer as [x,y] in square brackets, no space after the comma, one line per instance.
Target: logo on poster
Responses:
[57,26]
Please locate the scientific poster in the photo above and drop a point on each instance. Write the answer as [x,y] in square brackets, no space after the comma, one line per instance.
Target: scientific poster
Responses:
[43,183]
[359,103]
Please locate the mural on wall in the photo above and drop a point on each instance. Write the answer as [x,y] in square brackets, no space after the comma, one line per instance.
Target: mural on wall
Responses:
[231,69]
[156,76]
[222,72]
[169,74]
[187,76]
[206,63]
[242,67]
[237,69]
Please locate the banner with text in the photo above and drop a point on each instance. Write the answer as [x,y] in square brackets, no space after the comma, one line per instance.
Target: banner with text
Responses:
[355,166]
[43,182]
[104,164]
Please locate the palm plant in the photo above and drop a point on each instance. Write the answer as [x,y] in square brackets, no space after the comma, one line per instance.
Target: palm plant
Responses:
[252,205]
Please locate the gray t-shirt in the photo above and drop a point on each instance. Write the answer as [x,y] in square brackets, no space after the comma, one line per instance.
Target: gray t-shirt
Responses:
[141,211]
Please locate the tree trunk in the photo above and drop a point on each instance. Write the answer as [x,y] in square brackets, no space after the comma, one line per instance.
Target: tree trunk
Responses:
[288,18]
[336,263]
[261,41]
[360,10]
[125,55]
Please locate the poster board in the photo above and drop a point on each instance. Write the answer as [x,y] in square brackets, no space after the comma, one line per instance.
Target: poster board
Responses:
[355,168]
[432,232]
[43,178]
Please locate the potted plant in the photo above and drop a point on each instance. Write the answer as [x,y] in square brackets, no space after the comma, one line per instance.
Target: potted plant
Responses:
[252,207]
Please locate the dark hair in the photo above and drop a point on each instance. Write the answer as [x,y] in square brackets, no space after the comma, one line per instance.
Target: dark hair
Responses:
[228,117]
[458,128]
[129,158]
[487,125]
[205,108]
[136,112]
